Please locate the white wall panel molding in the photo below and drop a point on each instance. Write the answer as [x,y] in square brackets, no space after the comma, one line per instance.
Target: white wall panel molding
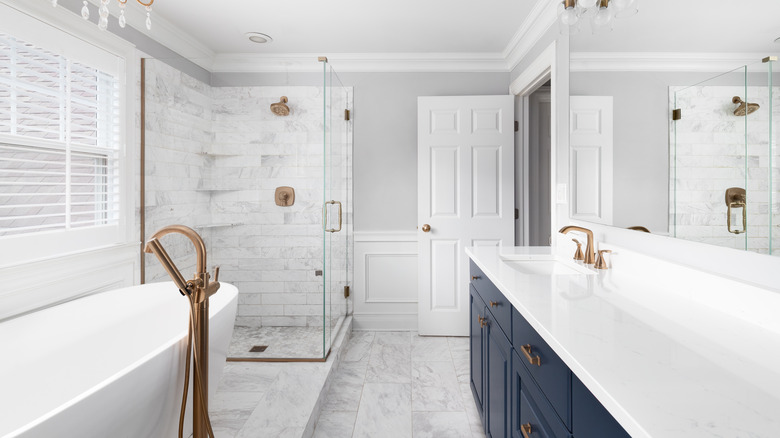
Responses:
[660,61]
[385,286]
[32,286]
[542,16]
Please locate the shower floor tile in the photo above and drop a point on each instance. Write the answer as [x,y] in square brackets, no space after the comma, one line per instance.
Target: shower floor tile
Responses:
[280,342]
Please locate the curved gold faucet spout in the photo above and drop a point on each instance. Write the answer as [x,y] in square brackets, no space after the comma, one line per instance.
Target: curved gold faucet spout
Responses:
[200,247]
[590,256]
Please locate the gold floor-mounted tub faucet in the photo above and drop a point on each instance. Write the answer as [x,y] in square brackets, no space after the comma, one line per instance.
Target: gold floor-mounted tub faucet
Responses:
[198,290]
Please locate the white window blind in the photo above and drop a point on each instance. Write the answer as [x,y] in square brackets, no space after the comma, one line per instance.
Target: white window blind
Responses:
[59,142]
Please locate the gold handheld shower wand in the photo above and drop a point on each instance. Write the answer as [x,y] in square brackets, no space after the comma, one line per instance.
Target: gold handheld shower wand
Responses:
[198,290]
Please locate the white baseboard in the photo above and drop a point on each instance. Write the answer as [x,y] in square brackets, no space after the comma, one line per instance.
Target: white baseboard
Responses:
[385,322]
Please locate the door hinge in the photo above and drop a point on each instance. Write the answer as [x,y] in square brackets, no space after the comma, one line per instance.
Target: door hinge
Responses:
[517,214]
[346,114]
[346,291]
[677,114]
[517,126]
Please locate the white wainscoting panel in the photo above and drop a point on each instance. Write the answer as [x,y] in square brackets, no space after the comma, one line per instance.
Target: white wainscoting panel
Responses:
[385,287]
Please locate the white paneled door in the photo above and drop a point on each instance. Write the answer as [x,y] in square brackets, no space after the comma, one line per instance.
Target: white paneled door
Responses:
[590,140]
[465,197]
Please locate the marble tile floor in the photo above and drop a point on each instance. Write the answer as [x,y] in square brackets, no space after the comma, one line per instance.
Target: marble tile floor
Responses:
[282,342]
[375,384]
[272,399]
[399,384]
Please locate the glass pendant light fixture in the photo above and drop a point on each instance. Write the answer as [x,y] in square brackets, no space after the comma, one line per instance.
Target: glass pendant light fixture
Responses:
[600,14]
[103,12]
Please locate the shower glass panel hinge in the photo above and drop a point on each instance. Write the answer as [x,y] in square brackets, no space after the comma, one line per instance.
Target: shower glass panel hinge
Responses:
[517,214]
[517,126]
[677,114]
[346,291]
[346,114]
[769,59]
[318,273]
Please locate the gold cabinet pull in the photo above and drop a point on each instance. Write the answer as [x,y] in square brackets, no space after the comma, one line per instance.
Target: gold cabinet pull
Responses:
[526,429]
[533,360]
[426,228]
[493,303]
[482,322]
[475,277]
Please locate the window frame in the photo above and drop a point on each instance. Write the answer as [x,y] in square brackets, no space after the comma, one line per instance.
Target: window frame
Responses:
[62,32]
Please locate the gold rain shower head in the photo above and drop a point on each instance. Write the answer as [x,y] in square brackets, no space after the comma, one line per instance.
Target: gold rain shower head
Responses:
[280,108]
[744,108]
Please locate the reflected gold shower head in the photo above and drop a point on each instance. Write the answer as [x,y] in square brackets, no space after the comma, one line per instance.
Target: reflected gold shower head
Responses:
[744,108]
[280,108]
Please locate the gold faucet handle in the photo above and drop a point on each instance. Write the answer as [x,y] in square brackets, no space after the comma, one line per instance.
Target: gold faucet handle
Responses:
[216,273]
[578,255]
[601,263]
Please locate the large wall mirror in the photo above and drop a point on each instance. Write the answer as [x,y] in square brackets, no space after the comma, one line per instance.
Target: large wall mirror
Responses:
[712,175]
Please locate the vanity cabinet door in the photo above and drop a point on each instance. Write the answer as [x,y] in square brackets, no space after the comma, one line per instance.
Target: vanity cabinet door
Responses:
[477,351]
[498,381]
[590,418]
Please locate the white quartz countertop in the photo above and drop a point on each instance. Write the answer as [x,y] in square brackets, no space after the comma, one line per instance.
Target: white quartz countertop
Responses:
[669,351]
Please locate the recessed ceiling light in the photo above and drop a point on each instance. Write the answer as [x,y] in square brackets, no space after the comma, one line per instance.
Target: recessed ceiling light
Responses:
[259,38]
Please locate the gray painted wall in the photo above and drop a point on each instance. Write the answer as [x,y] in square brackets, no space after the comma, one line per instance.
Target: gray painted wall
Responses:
[385,133]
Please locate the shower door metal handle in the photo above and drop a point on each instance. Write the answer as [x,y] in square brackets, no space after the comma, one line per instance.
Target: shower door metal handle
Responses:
[325,217]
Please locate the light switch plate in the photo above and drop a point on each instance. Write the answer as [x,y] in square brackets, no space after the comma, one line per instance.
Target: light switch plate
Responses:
[560,195]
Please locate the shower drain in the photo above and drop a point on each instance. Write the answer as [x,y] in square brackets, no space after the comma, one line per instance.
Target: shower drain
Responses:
[258,349]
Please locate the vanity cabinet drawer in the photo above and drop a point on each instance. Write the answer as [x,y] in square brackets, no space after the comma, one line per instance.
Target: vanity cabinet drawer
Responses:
[531,408]
[547,369]
[496,302]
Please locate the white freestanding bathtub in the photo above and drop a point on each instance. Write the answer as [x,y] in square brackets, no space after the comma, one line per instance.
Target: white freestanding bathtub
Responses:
[108,365]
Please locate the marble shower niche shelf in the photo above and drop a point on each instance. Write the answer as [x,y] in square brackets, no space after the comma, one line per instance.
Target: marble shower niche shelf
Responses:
[223,225]
[217,154]
[205,189]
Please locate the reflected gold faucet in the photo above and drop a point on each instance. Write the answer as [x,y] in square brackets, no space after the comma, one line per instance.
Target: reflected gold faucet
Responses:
[198,290]
[590,256]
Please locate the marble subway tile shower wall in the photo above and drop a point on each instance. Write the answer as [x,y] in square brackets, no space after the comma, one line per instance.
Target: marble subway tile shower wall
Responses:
[711,156]
[178,130]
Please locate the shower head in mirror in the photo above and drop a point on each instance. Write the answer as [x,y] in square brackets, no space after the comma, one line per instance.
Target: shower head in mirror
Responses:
[744,108]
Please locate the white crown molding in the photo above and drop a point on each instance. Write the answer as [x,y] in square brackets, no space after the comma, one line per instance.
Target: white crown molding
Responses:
[360,62]
[164,32]
[536,24]
[660,61]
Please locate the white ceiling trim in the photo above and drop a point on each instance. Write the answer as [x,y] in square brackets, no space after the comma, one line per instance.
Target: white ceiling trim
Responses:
[360,62]
[543,15]
[660,61]
[165,33]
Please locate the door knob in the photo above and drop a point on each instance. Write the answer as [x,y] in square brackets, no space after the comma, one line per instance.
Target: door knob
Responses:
[426,228]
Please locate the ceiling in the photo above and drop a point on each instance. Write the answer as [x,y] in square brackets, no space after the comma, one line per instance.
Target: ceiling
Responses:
[691,26]
[349,26]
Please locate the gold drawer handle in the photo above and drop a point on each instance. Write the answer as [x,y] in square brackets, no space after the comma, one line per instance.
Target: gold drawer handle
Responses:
[493,303]
[526,429]
[482,322]
[475,277]
[533,360]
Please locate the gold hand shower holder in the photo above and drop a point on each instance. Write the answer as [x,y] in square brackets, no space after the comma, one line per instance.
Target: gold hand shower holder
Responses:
[736,198]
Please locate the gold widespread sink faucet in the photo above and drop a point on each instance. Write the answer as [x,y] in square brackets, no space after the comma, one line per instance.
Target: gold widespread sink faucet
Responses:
[590,254]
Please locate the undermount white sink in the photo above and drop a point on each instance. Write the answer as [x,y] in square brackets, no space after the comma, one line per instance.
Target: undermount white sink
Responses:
[548,265]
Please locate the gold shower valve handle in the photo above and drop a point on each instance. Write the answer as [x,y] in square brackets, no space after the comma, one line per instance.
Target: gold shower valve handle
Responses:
[426,228]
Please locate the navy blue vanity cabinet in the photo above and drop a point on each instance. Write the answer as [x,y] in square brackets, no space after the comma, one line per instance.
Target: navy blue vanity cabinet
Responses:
[477,346]
[591,419]
[497,380]
[522,388]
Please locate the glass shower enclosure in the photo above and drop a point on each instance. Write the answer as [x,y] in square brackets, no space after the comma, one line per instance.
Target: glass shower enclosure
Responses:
[269,191]
[724,160]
